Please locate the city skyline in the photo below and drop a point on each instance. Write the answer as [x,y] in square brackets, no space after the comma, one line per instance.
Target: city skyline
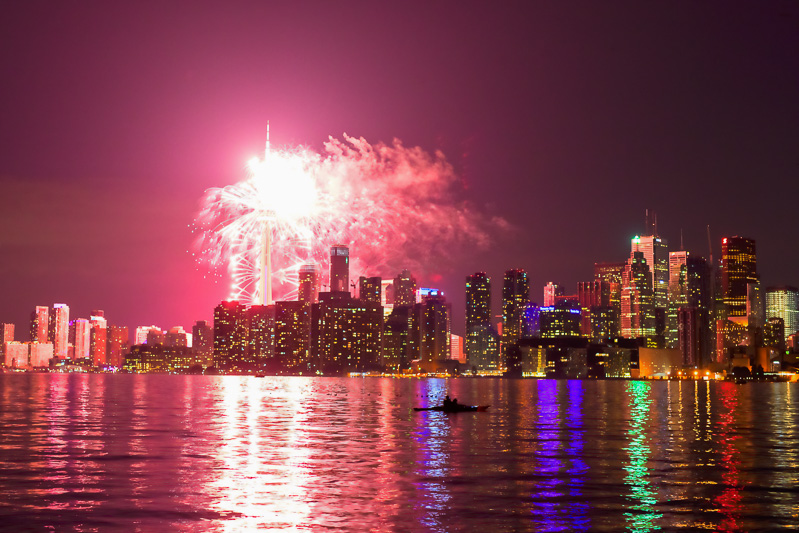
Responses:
[117,121]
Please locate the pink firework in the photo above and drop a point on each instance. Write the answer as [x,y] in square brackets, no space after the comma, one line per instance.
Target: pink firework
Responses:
[395,207]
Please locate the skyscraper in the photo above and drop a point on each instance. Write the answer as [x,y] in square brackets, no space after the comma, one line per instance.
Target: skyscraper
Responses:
[478,314]
[515,296]
[404,289]
[656,253]
[738,268]
[551,292]
[83,335]
[98,344]
[339,268]
[203,335]
[231,337]
[118,345]
[431,330]
[39,324]
[293,335]
[783,302]
[637,299]
[369,289]
[308,290]
[60,330]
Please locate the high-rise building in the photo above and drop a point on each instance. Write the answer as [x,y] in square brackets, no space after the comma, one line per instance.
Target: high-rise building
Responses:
[656,253]
[531,321]
[293,335]
[677,266]
[6,335]
[551,292]
[783,302]
[637,299]
[203,336]
[118,345]
[431,330]
[515,297]
[339,268]
[369,289]
[231,327]
[98,341]
[177,337]
[61,330]
[738,269]
[689,335]
[308,290]
[83,335]
[591,294]
[755,305]
[478,314]
[396,341]
[40,324]
[404,289]
[261,334]
[346,333]
[560,321]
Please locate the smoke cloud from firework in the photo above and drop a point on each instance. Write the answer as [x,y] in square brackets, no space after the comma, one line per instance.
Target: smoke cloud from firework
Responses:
[395,207]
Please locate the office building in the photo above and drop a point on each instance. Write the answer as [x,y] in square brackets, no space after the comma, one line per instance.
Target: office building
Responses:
[783,302]
[515,297]
[203,342]
[656,253]
[478,314]
[231,328]
[637,300]
[551,291]
[738,269]
[60,330]
[404,289]
[40,324]
[293,335]
[430,332]
[98,340]
[118,345]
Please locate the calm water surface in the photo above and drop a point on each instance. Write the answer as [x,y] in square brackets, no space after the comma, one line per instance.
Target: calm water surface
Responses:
[201,453]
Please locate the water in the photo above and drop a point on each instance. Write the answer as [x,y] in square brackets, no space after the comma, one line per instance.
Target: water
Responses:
[199,453]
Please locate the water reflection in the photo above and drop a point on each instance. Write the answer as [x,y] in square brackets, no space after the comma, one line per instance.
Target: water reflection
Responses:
[641,515]
[200,453]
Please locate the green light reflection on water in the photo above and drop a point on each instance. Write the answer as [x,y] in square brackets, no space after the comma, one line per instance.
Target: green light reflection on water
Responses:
[641,516]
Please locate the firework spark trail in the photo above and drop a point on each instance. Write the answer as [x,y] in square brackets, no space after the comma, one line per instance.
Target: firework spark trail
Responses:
[394,206]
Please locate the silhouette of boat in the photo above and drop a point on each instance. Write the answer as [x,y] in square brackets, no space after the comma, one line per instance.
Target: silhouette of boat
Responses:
[455,408]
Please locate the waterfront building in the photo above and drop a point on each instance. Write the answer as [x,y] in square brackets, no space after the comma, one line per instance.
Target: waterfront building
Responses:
[637,300]
[688,325]
[98,340]
[783,302]
[456,348]
[560,321]
[83,335]
[515,297]
[261,333]
[339,268]
[774,334]
[531,320]
[60,335]
[656,253]
[16,354]
[738,269]
[118,339]
[40,324]
[396,339]
[40,354]
[231,328]
[142,332]
[203,342]
[478,314]
[6,335]
[346,333]
[308,290]
[430,332]
[293,335]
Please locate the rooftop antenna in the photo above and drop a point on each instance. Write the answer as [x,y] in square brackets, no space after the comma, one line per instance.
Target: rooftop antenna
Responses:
[682,244]
[709,245]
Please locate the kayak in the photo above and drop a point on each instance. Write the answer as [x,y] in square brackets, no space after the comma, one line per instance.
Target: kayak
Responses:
[458,408]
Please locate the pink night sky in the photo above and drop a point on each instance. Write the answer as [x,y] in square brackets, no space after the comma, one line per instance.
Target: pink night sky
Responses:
[566,121]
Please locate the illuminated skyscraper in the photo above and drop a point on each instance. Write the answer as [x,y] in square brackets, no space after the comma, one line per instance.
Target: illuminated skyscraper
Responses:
[339,268]
[656,253]
[430,331]
[345,333]
[231,338]
[6,335]
[783,302]
[203,334]
[637,299]
[60,330]
[677,262]
[261,334]
[404,289]
[309,283]
[738,269]
[83,333]
[396,341]
[560,321]
[590,295]
[551,292]
[478,314]
[369,289]
[98,343]
[515,297]
[293,335]
[118,345]
[40,324]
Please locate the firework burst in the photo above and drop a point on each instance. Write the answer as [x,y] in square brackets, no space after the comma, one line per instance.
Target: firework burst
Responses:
[394,206]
